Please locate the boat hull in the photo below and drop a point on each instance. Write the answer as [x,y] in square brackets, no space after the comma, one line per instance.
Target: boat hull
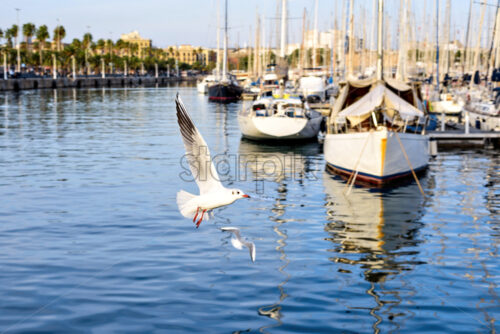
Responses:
[452,110]
[377,155]
[202,87]
[224,92]
[278,128]
[484,122]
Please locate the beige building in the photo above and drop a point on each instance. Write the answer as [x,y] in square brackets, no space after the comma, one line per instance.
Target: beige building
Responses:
[135,38]
[188,54]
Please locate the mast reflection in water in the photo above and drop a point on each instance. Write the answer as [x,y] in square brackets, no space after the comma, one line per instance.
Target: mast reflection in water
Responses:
[377,233]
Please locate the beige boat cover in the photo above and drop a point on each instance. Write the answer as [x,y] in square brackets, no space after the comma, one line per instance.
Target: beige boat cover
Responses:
[378,96]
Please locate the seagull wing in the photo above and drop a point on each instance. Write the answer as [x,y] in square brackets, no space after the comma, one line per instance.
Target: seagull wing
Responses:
[197,152]
[234,230]
[251,248]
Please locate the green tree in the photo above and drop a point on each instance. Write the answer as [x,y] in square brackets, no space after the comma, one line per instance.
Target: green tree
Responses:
[28,32]
[87,40]
[8,37]
[41,35]
[59,34]
[14,30]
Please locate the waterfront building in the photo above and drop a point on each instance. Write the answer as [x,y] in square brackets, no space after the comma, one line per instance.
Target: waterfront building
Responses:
[189,54]
[135,38]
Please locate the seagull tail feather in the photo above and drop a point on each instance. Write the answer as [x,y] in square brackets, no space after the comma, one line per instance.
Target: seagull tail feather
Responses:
[183,202]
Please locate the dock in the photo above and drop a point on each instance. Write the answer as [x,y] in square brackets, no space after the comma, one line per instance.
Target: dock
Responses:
[89,82]
[459,138]
[324,108]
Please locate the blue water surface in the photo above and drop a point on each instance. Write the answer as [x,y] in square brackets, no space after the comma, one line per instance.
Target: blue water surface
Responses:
[91,239]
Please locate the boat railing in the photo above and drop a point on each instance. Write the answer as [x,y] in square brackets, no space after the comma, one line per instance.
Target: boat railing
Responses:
[379,117]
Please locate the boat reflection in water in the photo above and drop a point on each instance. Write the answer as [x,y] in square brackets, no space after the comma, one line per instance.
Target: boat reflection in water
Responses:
[277,165]
[375,233]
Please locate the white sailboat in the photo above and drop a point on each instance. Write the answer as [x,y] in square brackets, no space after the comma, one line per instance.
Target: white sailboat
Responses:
[279,116]
[483,115]
[369,135]
[203,85]
[279,119]
[450,105]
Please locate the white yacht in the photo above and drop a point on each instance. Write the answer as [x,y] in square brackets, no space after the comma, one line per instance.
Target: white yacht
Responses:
[203,85]
[484,115]
[450,105]
[313,88]
[286,118]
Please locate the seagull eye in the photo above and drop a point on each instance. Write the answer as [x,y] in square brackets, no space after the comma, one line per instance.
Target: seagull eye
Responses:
[238,192]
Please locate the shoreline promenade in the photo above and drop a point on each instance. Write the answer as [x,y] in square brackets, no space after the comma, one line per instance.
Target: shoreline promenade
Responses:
[88,82]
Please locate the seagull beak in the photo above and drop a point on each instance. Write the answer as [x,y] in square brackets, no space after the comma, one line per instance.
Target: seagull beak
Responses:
[246,196]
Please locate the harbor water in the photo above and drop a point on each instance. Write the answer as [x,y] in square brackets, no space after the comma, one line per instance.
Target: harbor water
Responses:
[91,239]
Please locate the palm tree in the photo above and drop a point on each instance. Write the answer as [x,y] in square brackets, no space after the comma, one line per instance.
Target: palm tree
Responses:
[101,46]
[87,40]
[133,48]
[86,43]
[109,43]
[28,32]
[41,35]
[59,34]
[14,31]
[8,37]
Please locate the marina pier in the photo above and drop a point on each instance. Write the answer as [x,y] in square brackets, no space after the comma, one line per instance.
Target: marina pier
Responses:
[89,82]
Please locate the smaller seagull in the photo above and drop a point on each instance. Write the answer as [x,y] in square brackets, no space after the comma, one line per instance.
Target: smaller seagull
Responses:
[238,242]
[212,193]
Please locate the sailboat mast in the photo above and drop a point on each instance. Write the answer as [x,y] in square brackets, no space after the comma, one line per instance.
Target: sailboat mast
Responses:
[401,71]
[351,37]
[256,49]
[224,59]
[217,71]
[497,40]
[478,43]
[374,32]
[466,54]
[315,38]
[262,52]
[283,29]
[302,49]
[380,32]
[437,45]
[493,38]
[342,46]
[332,51]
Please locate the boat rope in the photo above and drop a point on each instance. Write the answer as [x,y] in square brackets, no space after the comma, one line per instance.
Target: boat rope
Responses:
[409,164]
[356,170]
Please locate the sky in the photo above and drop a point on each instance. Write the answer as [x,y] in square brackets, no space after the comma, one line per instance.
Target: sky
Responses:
[175,22]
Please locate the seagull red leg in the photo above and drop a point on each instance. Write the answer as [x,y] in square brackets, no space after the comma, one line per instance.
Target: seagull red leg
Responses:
[195,216]
[201,218]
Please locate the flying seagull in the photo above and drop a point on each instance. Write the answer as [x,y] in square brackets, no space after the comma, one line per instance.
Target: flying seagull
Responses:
[212,193]
[238,242]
